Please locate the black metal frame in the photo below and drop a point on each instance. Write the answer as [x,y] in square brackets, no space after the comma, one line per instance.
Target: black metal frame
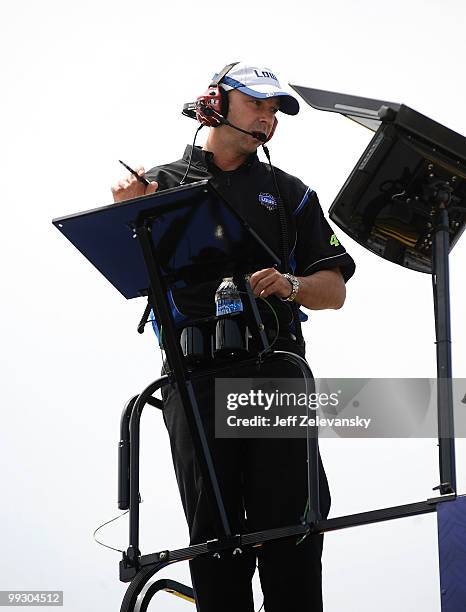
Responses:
[441,290]
[139,569]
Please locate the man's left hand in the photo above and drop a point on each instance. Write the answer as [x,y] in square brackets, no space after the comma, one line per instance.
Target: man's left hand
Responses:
[270,281]
[318,291]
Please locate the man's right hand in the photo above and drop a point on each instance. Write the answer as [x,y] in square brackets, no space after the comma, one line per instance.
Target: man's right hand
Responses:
[130,187]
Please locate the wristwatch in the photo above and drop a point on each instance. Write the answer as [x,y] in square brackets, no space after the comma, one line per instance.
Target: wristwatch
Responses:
[294,282]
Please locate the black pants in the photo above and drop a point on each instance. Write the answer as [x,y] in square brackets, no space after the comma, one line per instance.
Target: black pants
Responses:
[264,485]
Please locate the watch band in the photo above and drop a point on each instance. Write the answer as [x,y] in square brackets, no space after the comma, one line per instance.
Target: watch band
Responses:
[294,282]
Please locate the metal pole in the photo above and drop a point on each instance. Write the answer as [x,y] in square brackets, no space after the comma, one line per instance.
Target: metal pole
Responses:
[182,377]
[441,289]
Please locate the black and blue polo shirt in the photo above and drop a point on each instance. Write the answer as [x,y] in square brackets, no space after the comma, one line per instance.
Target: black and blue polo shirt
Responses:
[250,189]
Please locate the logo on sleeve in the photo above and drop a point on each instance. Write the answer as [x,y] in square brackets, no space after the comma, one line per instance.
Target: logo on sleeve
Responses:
[268,200]
[334,240]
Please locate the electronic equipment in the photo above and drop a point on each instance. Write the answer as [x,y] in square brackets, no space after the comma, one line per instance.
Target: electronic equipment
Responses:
[389,201]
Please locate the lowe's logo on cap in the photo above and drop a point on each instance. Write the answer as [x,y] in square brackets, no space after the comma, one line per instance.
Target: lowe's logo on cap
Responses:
[258,82]
[266,75]
[267,200]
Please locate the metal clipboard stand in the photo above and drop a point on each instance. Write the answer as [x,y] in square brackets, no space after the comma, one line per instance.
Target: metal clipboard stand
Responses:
[145,247]
[405,200]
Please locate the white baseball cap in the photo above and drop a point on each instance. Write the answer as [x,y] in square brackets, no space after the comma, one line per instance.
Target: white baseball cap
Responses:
[258,82]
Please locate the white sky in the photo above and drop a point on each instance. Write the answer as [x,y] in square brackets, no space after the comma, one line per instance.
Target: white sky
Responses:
[87,83]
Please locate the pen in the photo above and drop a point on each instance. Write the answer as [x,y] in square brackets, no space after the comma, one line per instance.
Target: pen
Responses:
[140,178]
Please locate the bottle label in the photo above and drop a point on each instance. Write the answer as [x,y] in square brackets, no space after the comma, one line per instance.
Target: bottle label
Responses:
[228,307]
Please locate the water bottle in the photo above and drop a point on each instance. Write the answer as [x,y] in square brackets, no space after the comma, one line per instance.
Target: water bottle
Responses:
[227,299]
[231,336]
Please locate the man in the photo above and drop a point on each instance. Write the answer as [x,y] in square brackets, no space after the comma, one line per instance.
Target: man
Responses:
[263,481]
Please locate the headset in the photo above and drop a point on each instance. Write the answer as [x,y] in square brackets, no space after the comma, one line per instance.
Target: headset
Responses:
[211,108]
[214,101]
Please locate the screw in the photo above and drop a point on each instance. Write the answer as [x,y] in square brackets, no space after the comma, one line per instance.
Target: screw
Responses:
[163,555]
[430,167]
[237,551]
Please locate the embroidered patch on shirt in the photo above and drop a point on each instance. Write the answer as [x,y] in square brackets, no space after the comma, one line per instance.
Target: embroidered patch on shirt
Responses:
[268,200]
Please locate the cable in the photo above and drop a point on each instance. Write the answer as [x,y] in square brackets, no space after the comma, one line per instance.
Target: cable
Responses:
[301,539]
[304,373]
[103,525]
[191,155]
[282,213]
[277,322]
[285,245]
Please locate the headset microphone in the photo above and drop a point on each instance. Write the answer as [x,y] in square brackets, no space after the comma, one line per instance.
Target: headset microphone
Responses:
[260,136]
[222,121]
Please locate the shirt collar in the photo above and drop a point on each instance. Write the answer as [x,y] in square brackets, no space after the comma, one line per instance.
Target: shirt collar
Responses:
[205,159]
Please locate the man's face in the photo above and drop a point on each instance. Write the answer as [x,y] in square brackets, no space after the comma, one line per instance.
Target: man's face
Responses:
[251,114]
